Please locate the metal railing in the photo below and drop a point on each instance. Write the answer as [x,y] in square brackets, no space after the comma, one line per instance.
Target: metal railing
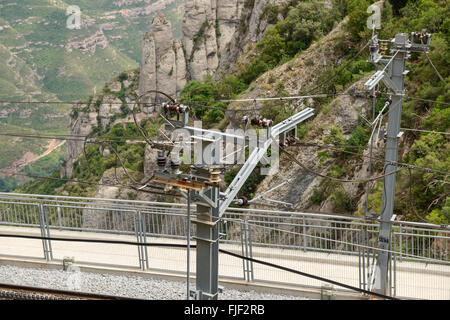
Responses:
[333,246]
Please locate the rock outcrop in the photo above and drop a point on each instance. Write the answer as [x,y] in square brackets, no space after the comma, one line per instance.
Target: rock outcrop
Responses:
[104,110]
[82,123]
[98,40]
[200,38]
[110,219]
[213,37]
[247,30]
[163,65]
[209,27]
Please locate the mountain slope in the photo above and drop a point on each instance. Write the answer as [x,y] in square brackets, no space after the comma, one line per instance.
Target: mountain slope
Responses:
[42,60]
[335,142]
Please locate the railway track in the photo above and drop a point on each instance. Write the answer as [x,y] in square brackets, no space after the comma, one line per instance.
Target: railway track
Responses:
[16,292]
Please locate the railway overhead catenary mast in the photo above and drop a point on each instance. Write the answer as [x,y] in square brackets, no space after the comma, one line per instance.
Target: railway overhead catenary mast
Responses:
[391,72]
[201,185]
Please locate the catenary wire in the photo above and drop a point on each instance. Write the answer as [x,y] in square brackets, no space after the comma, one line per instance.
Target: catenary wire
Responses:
[426,131]
[99,139]
[336,148]
[89,183]
[337,72]
[201,104]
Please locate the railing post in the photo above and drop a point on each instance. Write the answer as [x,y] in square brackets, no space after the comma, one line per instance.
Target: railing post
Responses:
[45,233]
[394,271]
[144,239]
[360,250]
[243,248]
[58,209]
[247,252]
[304,234]
[48,233]
[250,253]
[401,244]
[137,226]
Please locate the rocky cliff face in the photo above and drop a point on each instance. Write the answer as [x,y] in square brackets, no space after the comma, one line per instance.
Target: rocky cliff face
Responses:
[247,30]
[208,27]
[163,65]
[105,109]
[82,124]
[215,33]
[200,38]
[344,112]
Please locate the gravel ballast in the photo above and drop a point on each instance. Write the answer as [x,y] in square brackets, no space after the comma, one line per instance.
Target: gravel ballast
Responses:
[118,285]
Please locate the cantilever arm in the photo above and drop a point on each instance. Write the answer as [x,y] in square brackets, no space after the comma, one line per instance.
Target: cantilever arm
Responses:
[257,154]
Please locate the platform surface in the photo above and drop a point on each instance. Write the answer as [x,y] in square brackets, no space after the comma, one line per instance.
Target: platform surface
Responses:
[413,280]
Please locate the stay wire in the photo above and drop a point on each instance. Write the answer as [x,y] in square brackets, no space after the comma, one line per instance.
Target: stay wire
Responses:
[200,103]
[401,164]
[70,137]
[411,199]
[337,72]
[333,178]
[435,70]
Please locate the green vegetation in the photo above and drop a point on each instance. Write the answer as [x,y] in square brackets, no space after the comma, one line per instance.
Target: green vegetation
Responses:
[346,147]
[208,92]
[48,164]
[43,186]
[429,191]
[37,62]
[8,184]
[317,197]
[270,13]
[304,22]
[420,195]
[250,185]
[18,146]
[334,191]
[90,168]
[357,13]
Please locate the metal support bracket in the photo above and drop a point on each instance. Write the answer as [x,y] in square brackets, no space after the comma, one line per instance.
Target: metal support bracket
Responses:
[204,196]
[206,222]
[206,240]
[198,294]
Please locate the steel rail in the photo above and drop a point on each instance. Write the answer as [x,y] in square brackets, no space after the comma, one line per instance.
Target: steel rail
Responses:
[39,293]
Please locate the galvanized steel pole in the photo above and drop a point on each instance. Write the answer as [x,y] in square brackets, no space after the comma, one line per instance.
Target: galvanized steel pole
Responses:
[188,242]
[396,71]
